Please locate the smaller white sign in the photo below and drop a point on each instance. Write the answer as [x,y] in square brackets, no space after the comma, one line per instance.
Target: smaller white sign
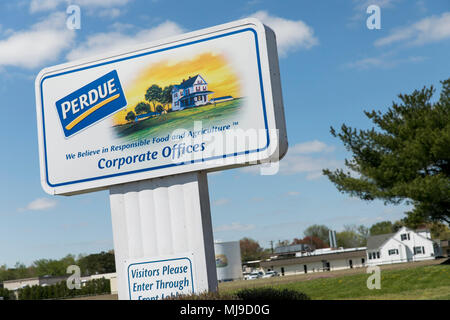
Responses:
[161,278]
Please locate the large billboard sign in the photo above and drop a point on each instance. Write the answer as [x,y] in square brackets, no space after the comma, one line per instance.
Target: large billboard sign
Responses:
[206,100]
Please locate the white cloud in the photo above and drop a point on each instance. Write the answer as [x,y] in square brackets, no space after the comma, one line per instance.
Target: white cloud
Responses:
[101,42]
[295,162]
[382,61]
[102,3]
[39,204]
[234,226]
[314,146]
[311,166]
[427,30]
[44,5]
[49,5]
[291,34]
[110,12]
[221,202]
[42,43]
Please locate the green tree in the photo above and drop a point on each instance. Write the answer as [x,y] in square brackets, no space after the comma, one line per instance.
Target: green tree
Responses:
[131,116]
[51,267]
[439,231]
[153,95]
[97,263]
[382,227]
[406,159]
[250,250]
[319,231]
[5,294]
[142,108]
[352,236]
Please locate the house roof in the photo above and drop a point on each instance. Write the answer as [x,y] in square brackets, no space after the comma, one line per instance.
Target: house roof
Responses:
[292,248]
[359,253]
[374,242]
[188,83]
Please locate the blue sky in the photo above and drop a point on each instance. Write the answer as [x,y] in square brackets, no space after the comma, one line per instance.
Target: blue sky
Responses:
[332,68]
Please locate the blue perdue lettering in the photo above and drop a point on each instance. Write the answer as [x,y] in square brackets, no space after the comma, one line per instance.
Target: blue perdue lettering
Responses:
[91,103]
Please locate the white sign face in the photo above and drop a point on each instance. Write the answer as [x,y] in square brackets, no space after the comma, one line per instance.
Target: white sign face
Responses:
[206,100]
[159,279]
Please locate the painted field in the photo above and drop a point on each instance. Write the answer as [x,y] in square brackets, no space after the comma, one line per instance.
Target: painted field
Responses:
[164,124]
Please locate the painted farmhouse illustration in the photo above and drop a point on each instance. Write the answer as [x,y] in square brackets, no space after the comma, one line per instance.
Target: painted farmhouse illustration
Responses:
[190,93]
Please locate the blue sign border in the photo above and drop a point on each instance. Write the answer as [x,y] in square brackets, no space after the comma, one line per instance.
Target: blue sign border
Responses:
[133,264]
[167,165]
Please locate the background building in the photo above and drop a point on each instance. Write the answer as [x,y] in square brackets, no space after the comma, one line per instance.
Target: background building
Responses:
[228,260]
[320,260]
[405,245]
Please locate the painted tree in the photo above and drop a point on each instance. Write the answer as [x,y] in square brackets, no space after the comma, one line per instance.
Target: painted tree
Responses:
[405,159]
[166,96]
[153,95]
[142,108]
[131,116]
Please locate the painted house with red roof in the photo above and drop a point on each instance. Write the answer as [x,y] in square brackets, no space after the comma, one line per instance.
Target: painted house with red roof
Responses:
[192,92]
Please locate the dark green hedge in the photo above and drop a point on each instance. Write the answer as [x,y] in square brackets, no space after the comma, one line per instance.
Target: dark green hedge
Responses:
[60,290]
[263,293]
[267,293]
[6,294]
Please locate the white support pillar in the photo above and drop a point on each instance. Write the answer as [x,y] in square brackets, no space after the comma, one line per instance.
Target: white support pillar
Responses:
[160,217]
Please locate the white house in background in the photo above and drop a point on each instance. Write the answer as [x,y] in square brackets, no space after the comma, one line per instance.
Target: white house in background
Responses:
[403,246]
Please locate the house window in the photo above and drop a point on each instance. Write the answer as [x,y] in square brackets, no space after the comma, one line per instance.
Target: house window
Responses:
[419,250]
[393,252]
[363,260]
[404,236]
[378,254]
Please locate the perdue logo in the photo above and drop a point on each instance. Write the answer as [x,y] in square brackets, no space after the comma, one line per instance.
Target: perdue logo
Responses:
[91,103]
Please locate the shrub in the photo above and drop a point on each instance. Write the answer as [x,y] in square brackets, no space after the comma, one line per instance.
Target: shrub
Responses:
[204,296]
[60,290]
[6,294]
[267,293]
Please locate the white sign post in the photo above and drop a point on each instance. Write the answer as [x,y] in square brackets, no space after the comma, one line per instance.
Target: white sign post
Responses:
[164,217]
[148,123]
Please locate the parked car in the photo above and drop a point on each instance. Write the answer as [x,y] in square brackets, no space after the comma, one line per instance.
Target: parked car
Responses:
[270,274]
[254,275]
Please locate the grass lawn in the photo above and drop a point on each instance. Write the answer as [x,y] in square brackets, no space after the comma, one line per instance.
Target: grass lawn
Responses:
[162,125]
[411,282]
